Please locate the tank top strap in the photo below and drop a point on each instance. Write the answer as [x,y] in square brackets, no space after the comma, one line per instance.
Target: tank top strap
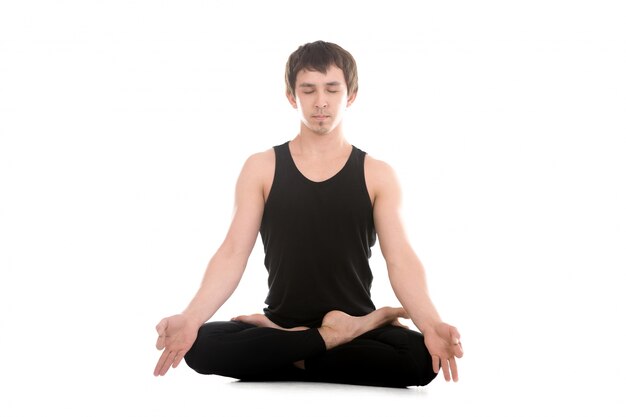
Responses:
[283,159]
[357,160]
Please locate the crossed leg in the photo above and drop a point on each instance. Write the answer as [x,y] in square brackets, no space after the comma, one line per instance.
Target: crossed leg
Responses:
[372,350]
[338,327]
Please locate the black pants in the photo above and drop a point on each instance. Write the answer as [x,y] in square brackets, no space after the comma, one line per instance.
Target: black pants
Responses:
[389,356]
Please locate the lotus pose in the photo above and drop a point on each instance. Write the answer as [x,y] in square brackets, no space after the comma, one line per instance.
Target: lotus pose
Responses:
[319,204]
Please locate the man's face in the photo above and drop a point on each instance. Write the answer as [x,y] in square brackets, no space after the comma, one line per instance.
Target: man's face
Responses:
[321,99]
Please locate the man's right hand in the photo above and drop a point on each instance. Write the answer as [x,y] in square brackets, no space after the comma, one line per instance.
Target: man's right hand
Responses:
[176,336]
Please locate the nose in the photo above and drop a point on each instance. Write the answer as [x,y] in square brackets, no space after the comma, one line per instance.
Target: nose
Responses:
[321,102]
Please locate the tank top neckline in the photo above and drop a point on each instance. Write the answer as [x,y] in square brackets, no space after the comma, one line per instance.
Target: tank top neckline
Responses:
[331,178]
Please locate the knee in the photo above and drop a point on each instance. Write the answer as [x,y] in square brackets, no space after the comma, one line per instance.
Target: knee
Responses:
[206,352]
[426,376]
[421,362]
[197,358]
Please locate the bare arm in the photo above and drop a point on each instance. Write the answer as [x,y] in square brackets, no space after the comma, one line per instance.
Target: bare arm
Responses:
[227,265]
[177,333]
[406,272]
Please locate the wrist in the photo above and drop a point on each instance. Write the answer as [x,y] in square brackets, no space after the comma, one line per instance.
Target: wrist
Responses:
[193,317]
[429,328]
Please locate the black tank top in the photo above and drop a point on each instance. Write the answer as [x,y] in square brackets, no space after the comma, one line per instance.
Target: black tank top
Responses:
[317,238]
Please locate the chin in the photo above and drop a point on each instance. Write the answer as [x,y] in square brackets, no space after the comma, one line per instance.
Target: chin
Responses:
[321,129]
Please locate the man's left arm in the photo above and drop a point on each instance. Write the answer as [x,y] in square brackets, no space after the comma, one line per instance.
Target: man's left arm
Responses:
[406,272]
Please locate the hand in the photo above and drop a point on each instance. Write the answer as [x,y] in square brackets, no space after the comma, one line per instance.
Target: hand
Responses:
[176,336]
[444,343]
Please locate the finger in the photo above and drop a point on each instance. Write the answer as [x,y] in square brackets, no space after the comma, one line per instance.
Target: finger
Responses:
[455,371]
[455,336]
[160,364]
[161,329]
[179,357]
[167,363]
[435,364]
[458,350]
[160,343]
[446,370]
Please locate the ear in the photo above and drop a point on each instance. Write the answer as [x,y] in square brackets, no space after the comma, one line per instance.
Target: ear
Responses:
[292,99]
[351,99]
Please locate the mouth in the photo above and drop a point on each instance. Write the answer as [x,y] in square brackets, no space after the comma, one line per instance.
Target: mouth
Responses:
[320,117]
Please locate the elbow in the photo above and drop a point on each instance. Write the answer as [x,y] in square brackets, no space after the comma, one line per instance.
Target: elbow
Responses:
[404,261]
[232,250]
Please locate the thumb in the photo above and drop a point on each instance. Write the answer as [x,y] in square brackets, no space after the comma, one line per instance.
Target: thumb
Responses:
[161,329]
[455,336]
[458,350]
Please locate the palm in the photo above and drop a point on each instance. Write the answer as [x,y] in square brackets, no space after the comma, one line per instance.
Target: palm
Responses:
[176,336]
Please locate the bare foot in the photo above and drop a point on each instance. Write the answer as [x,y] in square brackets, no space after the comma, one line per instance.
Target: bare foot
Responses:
[339,328]
[260,320]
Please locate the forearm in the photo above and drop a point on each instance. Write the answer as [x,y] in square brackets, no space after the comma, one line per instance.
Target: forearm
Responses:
[221,278]
[408,281]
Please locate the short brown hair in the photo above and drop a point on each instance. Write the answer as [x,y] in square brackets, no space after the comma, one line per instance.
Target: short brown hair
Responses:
[319,56]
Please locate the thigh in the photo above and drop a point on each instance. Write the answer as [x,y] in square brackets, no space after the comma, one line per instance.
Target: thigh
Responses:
[244,351]
[208,349]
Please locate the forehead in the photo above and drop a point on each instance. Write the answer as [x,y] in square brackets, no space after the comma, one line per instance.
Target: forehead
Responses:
[333,75]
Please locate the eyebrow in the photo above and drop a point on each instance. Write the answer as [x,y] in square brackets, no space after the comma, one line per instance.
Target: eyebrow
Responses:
[330,84]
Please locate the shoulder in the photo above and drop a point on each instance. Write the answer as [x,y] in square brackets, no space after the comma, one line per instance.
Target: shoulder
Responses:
[381,180]
[379,172]
[258,172]
[259,162]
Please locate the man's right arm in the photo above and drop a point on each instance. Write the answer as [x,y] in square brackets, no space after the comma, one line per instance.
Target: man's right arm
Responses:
[227,265]
[178,333]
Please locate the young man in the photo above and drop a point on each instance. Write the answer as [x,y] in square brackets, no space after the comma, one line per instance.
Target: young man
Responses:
[319,204]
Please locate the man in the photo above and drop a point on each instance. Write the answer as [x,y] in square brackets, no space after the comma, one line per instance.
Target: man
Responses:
[319,204]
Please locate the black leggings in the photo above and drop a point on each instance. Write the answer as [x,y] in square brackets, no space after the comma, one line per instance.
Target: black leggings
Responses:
[389,356]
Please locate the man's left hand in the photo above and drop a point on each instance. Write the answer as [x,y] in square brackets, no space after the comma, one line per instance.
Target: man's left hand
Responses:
[444,344]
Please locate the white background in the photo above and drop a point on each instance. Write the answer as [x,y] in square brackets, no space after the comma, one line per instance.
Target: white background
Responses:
[123,127]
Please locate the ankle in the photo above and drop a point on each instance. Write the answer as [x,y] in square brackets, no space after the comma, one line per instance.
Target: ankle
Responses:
[330,336]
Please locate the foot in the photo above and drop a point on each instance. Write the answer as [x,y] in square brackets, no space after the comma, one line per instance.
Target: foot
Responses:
[339,328]
[260,320]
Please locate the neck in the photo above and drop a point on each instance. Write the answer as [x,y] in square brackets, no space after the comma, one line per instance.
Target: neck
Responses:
[310,142]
